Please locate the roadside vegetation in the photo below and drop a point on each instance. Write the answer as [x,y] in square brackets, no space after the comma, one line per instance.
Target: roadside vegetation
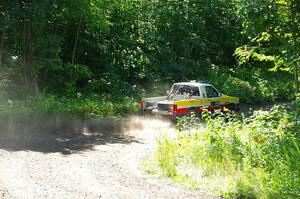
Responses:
[233,157]
[82,107]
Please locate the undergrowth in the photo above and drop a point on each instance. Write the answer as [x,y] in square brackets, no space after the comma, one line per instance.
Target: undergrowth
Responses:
[82,107]
[256,157]
[254,86]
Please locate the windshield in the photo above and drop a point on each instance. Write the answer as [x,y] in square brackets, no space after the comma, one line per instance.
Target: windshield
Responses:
[174,89]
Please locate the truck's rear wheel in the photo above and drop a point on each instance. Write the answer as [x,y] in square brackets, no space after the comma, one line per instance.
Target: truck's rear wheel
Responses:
[192,113]
[232,107]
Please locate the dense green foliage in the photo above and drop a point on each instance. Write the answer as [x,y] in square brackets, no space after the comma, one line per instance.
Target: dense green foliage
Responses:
[123,48]
[87,108]
[257,157]
[253,85]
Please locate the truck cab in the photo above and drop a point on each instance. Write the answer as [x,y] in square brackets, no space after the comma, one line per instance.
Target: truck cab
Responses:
[186,98]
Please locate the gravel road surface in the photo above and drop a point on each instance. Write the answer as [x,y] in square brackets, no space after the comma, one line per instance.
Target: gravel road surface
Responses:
[96,159]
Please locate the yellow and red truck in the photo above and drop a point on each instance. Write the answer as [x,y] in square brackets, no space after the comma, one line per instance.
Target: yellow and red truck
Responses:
[187,98]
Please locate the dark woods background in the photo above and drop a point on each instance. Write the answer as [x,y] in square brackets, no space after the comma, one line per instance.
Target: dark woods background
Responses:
[117,48]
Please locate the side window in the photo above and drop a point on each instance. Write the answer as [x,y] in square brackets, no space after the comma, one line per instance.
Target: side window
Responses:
[179,90]
[189,89]
[195,91]
[211,92]
[182,90]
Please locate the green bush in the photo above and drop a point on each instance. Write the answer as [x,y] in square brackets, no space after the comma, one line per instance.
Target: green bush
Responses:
[256,157]
[82,107]
[253,85]
[297,104]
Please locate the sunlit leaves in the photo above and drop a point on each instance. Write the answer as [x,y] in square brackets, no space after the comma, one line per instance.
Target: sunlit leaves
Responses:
[272,27]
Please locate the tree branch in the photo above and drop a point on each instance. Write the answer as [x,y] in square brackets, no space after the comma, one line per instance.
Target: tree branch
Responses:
[76,40]
[1,45]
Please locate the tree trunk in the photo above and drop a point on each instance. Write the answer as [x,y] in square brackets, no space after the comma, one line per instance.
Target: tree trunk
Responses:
[295,5]
[296,76]
[45,79]
[76,40]
[1,45]
[29,73]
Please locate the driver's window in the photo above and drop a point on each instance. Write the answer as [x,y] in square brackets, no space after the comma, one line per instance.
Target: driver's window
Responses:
[211,92]
[190,92]
[180,92]
[194,91]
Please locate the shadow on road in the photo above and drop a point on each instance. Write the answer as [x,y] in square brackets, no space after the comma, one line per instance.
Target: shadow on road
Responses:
[62,134]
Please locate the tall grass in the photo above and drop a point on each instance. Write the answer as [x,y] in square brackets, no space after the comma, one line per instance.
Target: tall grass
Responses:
[256,157]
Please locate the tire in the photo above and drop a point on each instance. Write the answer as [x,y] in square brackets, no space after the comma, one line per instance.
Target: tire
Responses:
[191,112]
[193,122]
[232,107]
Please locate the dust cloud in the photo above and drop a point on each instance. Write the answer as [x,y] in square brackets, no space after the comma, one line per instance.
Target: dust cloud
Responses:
[70,125]
[72,135]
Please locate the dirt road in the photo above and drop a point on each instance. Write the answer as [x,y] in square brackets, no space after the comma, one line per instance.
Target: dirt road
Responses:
[100,159]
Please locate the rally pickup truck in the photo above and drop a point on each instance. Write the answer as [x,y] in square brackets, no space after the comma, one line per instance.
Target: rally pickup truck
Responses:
[187,98]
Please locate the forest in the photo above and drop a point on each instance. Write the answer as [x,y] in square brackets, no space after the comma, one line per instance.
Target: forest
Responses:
[118,49]
[98,58]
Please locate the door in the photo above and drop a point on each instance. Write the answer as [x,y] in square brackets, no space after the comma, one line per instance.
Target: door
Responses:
[213,97]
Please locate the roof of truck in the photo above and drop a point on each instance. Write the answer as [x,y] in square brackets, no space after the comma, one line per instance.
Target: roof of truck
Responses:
[193,83]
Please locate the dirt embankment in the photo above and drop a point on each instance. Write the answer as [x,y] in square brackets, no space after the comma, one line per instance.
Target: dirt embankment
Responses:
[82,159]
